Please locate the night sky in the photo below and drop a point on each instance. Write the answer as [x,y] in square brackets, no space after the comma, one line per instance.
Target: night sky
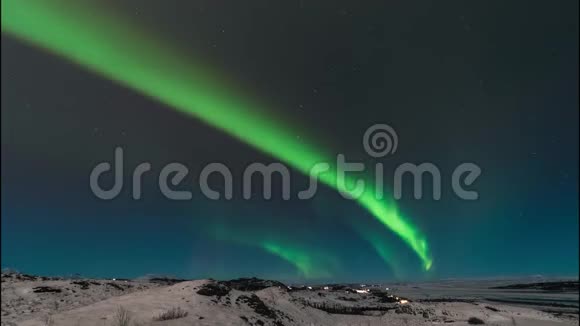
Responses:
[493,83]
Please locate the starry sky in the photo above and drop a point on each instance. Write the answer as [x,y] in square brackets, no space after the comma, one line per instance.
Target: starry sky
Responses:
[199,82]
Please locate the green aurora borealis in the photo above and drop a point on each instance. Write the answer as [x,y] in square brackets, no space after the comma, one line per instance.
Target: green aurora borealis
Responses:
[109,47]
[295,83]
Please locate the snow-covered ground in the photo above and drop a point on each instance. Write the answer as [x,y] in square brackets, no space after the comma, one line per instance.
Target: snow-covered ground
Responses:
[29,300]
